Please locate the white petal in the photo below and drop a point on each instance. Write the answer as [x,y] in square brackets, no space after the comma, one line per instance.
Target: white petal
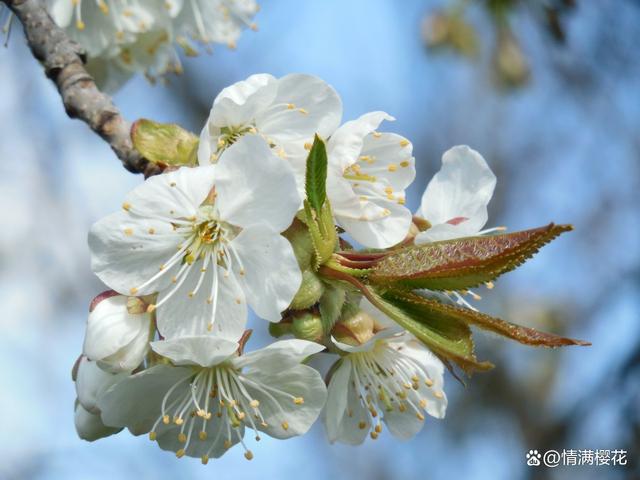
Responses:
[176,194]
[336,406]
[205,350]
[239,103]
[446,231]
[130,357]
[124,254]
[276,392]
[271,273]
[255,186]
[89,426]
[92,382]
[61,11]
[379,223]
[304,105]
[135,401]
[346,143]
[278,355]
[111,327]
[402,425]
[184,315]
[369,344]
[460,192]
[389,156]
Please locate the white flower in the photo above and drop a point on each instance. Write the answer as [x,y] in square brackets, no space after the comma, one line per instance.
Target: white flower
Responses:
[390,378]
[200,405]
[455,201]
[91,382]
[89,426]
[368,173]
[115,338]
[216,21]
[207,239]
[287,112]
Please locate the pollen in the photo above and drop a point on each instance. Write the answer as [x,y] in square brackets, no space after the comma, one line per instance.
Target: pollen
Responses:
[291,106]
[254,27]
[178,421]
[392,167]
[373,435]
[152,436]
[438,395]
[404,142]
[204,459]
[180,453]
[80,25]
[285,425]
[405,163]
[151,308]
[307,146]
[254,403]
[298,400]
[428,382]
[423,403]
[103,7]
[151,231]
[128,231]
[362,425]
[489,285]
[378,428]
[202,436]
[238,301]
[227,444]
[165,419]
[133,291]
[182,437]
[248,455]
[388,190]
[420,416]
[303,111]
[376,134]
[126,206]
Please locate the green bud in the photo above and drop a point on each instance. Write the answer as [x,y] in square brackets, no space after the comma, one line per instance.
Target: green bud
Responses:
[355,327]
[277,330]
[165,144]
[310,291]
[300,239]
[308,326]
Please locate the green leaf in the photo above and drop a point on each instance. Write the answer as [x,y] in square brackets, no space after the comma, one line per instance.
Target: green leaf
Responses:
[433,310]
[461,263]
[331,304]
[316,175]
[164,143]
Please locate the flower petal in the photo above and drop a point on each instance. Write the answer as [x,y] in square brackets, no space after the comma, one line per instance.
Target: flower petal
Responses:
[135,402]
[238,104]
[278,356]
[92,382]
[346,143]
[460,192]
[304,105]
[255,186]
[277,393]
[89,426]
[111,327]
[271,275]
[205,350]
[191,315]
[389,156]
[336,406]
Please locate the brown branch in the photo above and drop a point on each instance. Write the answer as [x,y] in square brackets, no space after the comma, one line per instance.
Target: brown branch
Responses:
[63,61]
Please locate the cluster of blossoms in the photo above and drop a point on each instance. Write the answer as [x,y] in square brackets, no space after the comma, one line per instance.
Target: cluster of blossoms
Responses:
[124,37]
[255,222]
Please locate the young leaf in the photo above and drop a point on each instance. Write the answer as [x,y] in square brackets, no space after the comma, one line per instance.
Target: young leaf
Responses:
[461,263]
[434,310]
[316,174]
[164,143]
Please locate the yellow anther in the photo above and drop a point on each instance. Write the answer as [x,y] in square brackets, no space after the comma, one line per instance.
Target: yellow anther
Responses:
[242,272]
[405,163]
[172,184]
[165,419]
[202,436]
[151,231]
[362,425]
[221,142]
[377,134]
[386,212]
[291,106]
[373,435]
[423,403]
[489,285]
[420,416]
[103,7]
[128,231]
[388,190]
[178,421]
[238,301]
[307,146]
[402,407]
[438,395]
[151,308]
[404,142]
[126,206]
[127,13]
[401,201]
[120,35]
[241,415]
[204,459]
[254,27]
[190,259]
[227,444]
[182,437]
[392,167]
[298,400]
[152,436]
[231,45]
[264,424]
[210,325]
[285,425]
[80,25]
[133,291]
[254,403]
[428,382]
[203,270]
[303,111]
[180,453]
[378,428]
[190,294]
[475,296]
[174,279]
[248,455]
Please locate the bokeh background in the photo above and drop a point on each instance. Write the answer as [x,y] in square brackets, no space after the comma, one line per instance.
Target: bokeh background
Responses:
[557,115]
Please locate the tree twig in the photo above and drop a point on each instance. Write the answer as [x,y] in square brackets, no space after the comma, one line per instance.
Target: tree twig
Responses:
[63,61]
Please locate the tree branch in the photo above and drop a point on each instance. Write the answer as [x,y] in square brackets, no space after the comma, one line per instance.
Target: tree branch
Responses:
[63,61]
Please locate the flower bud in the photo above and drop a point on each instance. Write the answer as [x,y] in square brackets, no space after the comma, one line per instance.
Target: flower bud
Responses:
[89,426]
[91,382]
[310,291]
[298,236]
[511,65]
[355,328]
[118,332]
[308,326]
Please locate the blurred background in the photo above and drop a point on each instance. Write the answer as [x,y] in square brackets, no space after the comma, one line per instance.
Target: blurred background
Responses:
[547,91]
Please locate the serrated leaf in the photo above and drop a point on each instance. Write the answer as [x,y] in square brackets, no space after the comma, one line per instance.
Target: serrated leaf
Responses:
[432,309]
[316,174]
[331,304]
[461,263]
[164,143]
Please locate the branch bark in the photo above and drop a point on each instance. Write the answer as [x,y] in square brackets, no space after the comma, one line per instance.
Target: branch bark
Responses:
[63,61]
